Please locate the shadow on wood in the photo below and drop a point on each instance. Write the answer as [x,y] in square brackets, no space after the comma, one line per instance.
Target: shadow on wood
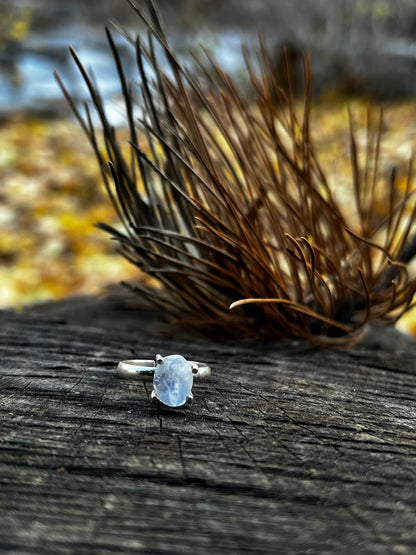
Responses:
[287,449]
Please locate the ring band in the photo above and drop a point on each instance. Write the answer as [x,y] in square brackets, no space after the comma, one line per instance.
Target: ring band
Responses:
[143,369]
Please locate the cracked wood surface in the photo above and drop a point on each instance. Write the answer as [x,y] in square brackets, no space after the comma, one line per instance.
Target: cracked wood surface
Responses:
[289,449]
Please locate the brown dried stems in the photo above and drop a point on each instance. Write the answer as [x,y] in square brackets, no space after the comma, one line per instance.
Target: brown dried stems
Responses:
[223,200]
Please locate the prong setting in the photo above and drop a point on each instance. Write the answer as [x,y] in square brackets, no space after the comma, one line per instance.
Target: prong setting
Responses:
[172,375]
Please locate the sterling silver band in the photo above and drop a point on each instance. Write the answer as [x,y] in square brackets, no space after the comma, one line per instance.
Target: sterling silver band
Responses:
[144,369]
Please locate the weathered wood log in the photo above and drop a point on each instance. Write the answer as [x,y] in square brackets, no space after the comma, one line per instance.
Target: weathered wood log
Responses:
[289,449]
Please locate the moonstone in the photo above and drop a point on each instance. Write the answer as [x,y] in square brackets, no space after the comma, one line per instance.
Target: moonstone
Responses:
[172,381]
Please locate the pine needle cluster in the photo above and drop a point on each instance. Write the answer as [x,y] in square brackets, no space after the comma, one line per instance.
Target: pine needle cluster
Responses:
[222,199]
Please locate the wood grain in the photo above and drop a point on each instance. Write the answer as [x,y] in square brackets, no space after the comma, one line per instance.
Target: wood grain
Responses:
[289,449]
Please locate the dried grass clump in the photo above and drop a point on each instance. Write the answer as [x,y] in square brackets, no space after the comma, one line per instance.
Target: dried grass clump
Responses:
[224,202]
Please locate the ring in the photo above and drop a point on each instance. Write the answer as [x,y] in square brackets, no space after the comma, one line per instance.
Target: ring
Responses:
[172,376]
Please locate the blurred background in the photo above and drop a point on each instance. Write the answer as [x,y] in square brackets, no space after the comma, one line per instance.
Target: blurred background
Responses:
[363,51]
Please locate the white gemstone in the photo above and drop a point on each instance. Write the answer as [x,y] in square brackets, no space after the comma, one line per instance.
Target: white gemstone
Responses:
[172,381]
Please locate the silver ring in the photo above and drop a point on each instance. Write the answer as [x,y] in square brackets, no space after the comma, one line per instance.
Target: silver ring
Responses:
[172,376]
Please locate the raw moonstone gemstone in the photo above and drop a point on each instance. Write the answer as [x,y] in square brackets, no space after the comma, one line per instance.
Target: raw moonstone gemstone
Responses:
[172,381]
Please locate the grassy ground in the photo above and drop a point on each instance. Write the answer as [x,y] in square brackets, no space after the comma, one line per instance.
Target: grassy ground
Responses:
[51,196]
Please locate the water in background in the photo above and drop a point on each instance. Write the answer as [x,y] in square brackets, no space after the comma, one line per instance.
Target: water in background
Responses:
[361,47]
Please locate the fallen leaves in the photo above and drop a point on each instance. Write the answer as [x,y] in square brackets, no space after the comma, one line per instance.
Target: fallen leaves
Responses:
[51,197]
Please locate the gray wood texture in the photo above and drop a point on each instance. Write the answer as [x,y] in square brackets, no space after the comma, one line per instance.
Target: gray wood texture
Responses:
[289,449]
